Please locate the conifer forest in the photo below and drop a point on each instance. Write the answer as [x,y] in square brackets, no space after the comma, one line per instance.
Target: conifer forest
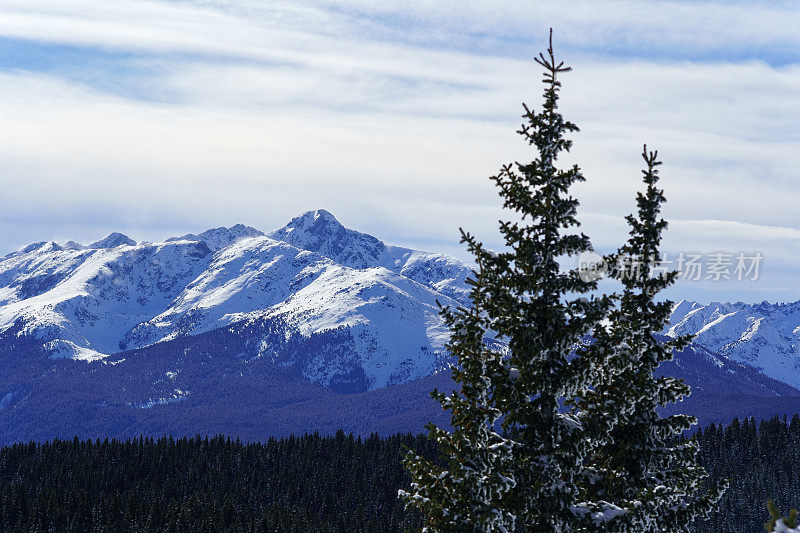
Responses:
[311,483]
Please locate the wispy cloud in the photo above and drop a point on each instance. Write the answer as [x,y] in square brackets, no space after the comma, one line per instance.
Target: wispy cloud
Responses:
[158,117]
[647,29]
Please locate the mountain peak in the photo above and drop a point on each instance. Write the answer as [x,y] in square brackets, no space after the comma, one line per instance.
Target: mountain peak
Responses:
[315,220]
[327,216]
[319,231]
[112,241]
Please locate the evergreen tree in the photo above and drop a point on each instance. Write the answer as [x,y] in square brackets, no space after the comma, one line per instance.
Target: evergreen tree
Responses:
[524,297]
[467,493]
[649,474]
[780,524]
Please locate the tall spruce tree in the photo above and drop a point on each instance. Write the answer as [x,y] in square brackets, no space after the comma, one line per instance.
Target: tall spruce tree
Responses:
[542,311]
[646,470]
[468,493]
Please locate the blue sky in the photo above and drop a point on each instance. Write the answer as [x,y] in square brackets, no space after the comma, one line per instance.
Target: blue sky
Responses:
[165,117]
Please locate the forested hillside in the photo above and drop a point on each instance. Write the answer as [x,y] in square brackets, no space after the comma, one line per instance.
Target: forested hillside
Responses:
[312,483]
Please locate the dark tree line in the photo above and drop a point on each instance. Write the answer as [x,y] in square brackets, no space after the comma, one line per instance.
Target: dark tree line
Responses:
[762,462]
[313,483]
[309,483]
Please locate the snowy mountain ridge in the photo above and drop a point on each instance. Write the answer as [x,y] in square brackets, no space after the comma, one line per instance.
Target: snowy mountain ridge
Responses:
[310,327]
[765,336]
[88,302]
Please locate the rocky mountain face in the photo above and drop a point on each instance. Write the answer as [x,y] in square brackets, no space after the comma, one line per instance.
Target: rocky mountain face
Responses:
[246,380]
[319,232]
[765,336]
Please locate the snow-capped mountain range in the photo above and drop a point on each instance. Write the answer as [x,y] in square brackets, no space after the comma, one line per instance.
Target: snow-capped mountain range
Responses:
[312,326]
[88,302]
[765,336]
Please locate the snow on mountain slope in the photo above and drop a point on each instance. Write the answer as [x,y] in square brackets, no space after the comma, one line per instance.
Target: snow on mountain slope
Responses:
[319,231]
[393,320]
[81,302]
[86,302]
[764,335]
[219,238]
[113,241]
[250,275]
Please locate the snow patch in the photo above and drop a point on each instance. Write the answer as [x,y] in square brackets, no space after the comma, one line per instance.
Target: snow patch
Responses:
[177,396]
[5,401]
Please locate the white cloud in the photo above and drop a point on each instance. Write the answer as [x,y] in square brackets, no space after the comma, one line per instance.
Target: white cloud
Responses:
[269,110]
[243,27]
